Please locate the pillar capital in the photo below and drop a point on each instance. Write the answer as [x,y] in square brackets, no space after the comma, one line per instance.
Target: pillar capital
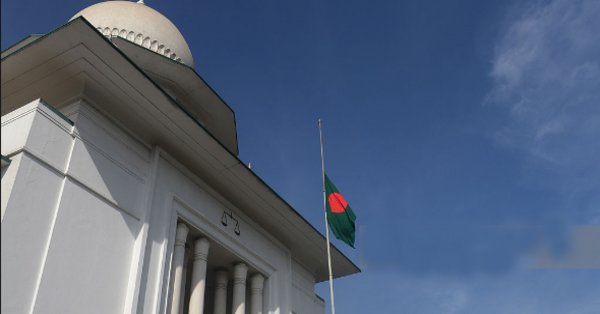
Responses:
[201,247]
[198,284]
[256,283]
[221,278]
[240,271]
[177,267]
[181,234]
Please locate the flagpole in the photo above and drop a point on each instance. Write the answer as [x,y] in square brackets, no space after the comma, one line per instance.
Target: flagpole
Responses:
[326,222]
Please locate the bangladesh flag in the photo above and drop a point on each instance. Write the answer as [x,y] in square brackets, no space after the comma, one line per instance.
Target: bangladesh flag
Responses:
[340,216]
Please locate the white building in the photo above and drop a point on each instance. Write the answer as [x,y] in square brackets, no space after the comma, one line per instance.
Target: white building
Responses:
[121,187]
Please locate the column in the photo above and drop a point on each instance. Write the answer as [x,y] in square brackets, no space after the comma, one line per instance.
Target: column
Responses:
[220,291]
[256,294]
[239,288]
[177,266]
[198,276]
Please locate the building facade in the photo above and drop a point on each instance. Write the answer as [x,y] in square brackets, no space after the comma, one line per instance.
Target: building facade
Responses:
[122,191]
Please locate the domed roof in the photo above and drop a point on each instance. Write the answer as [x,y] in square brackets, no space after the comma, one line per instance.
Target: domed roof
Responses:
[139,24]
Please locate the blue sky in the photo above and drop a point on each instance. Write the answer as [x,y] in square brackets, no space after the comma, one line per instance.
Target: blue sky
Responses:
[464,134]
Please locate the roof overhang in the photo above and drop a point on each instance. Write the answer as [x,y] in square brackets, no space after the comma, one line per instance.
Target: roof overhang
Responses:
[76,60]
[189,89]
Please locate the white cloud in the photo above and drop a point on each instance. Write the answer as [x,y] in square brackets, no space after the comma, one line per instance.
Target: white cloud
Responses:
[546,72]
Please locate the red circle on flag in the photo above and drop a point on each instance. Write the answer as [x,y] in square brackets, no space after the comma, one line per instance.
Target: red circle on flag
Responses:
[337,203]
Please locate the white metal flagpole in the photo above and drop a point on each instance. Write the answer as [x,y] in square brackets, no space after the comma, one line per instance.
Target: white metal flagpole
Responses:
[326,222]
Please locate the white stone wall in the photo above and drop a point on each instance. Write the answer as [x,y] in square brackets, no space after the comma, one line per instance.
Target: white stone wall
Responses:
[31,190]
[304,299]
[70,217]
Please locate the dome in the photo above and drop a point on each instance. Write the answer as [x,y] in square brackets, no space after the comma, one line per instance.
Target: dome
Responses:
[141,25]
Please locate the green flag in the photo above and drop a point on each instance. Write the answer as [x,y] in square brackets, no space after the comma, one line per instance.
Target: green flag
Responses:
[340,216]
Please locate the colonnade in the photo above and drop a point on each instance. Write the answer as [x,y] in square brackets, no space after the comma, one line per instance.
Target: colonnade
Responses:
[198,281]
